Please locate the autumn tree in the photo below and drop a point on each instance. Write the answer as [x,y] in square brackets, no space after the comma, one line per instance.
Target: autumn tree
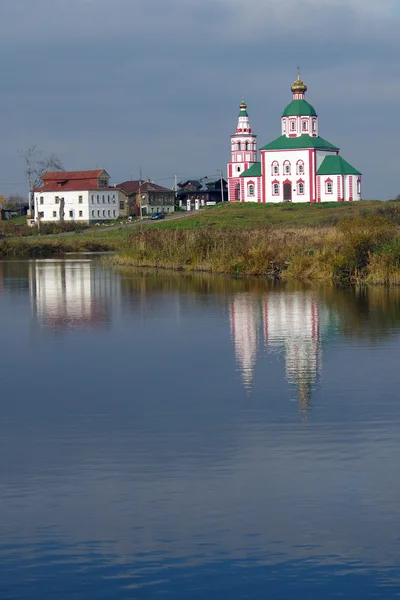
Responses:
[36,165]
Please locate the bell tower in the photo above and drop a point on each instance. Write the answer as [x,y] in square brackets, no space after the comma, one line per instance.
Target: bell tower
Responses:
[243,152]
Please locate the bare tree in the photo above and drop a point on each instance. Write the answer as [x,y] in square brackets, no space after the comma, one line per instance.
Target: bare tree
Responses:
[15,200]
[36,165]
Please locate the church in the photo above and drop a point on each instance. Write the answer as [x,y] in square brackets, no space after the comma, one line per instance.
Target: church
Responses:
[298,166]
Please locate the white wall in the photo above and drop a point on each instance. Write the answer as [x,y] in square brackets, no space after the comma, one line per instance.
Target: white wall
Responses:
[268,157]
[79,206]
[257,189]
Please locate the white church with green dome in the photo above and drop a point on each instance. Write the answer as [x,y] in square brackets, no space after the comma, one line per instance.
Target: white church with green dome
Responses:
[299,166]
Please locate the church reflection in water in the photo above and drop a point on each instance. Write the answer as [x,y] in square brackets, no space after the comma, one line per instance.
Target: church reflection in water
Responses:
[291,324]
[71,294]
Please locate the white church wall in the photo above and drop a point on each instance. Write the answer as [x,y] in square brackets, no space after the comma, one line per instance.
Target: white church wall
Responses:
[294,158]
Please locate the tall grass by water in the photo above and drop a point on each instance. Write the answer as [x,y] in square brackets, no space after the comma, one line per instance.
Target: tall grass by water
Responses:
[359,249]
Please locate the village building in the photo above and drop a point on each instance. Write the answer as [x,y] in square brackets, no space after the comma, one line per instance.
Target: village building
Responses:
[298,166]
[145,198]
[80,196]
[192,194]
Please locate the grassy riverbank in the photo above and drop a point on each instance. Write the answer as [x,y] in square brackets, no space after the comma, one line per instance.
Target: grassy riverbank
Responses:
[353,242]
[359,249]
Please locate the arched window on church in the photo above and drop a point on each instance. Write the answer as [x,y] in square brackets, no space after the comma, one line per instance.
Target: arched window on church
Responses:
[328,186]
[275,189]
[237,191]
[238,146]
[246,147]
[300,188]
[251,189]
[275,168]
[300,167]
[286,167]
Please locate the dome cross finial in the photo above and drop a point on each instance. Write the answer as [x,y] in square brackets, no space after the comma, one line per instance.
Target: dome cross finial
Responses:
[299,87]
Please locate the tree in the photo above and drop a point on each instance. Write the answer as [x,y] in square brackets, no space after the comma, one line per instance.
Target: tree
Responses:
[14,201]
[36,166]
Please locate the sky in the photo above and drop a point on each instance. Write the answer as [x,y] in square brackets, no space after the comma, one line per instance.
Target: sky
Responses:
[153,86]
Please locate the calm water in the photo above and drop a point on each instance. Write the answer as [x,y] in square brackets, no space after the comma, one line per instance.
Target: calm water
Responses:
[192,437]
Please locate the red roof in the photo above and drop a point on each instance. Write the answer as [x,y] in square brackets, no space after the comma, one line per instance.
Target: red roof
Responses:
[132,187]
[62,175]
[73,181]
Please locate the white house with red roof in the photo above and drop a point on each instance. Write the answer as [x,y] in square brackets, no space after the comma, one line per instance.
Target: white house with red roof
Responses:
[298,166]
[80,196]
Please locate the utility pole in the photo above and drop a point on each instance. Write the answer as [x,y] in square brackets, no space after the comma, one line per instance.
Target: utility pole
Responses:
[140,196]
[222,186]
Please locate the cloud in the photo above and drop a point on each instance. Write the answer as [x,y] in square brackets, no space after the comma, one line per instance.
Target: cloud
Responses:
[157,83]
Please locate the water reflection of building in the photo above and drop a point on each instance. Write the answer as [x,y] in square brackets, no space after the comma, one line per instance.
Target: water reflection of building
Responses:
[292,326]
[71,293]
[246,318]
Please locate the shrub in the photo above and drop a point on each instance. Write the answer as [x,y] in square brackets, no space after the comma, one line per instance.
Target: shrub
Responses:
[363,234]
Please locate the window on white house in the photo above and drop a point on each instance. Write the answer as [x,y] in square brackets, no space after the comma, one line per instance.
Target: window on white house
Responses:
[104,213]
[275,189]
[109,213]
[121,205]
[104,200]
[41,200]
[81,213]
[275,168]
[71,213]
[113,197]
[329,187]
[41,215]
[98,199]
[92,197]
[114,212]
[286,168]
[54,213]
[300,188]
[92,213]
[80,199]
[57,200]
[108,198]
[251,190]
[98,213]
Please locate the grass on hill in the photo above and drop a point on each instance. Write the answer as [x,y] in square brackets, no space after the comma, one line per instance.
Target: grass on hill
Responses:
[251,215]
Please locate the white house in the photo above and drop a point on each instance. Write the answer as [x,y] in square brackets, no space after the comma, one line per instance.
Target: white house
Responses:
[298,166]
[80,196]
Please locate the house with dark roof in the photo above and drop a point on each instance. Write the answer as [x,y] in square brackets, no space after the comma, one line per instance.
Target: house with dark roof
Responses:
[81,196]
[195,193]
[145,198]
[298,166]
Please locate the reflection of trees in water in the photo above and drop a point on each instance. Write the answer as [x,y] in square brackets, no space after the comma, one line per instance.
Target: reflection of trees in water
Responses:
[136,280]
[14,276]
[369,313]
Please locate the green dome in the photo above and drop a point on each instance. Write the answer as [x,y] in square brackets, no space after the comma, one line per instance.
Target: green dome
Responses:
[299,108]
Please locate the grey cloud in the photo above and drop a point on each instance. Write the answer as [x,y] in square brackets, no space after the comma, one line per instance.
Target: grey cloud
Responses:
[157,84]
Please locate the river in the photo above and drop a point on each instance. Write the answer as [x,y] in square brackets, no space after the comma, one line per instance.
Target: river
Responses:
[188,437]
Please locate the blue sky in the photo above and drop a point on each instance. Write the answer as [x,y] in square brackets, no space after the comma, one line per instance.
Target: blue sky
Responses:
[156,83]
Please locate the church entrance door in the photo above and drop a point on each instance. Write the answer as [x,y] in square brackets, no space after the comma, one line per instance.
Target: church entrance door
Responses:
[287,192]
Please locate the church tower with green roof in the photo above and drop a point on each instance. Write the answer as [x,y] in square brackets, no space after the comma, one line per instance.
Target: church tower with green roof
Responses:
[298,166]
[243,152]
